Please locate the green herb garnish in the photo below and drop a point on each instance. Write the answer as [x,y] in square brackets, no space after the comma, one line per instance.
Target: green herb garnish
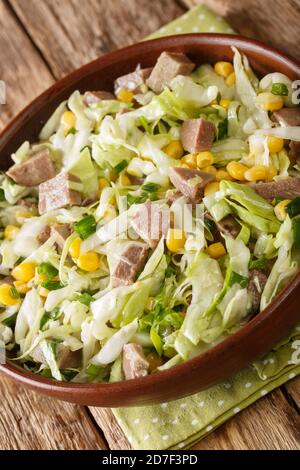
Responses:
[48,269]
[86,227]
[280,89]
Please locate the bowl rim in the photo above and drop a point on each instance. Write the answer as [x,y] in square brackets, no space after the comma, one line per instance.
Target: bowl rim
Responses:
[176,41]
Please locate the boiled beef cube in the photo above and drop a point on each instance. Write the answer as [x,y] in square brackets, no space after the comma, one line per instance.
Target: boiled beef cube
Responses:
[287,117]
[35,170]
[190,183]
[151,223]
[7,280]
[134,362]
[44,234]
[197,135]
[132,81]
[229,226]
[167,67]
[91,97]
[257,282]
[56,193]
[131,262]
[62,232]
[65,358]
[294,152]
[288,188]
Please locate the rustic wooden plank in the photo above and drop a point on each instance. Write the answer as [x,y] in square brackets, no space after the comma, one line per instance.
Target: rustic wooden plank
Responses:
[21,67]
[276,22]
[35,422]
[293,390]
[68,39]
[270,423]
[112,431]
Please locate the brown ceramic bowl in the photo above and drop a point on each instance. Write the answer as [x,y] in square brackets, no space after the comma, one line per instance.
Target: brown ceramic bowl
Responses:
[253,340]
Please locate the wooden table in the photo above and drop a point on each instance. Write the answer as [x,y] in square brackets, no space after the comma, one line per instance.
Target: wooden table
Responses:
[41,41]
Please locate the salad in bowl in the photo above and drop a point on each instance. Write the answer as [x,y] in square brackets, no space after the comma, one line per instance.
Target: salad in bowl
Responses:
[147,225]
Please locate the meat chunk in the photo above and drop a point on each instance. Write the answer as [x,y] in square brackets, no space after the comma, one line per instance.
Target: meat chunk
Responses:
[65,358]
[294,152]
[134,362]
[62,231]
[35,170]
[56,193]
[288,188]
[257,282]
[167,67]
[287,117]
[190,183]
[151,223]
[197,135]
[7,280]
[229,226]
[133,81]
[91,97]
[44,234]
[131,262]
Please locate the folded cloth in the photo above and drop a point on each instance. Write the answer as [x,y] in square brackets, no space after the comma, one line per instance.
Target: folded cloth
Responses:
[181,423]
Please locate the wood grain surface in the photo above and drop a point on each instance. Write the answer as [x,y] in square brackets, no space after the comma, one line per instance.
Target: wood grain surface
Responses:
[42,40]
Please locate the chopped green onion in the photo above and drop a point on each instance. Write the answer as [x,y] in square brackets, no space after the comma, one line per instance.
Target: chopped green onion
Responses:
[49,284]
[259,264]
[71,131]
[236,278]
[46,373]
[69,374]
[86,227]
[280,89]
[10,321]
[150,187]
[296,231]
[53,315]
[14,293]
[120,166]
[222,129]
[85,298]
[93,369]
[2,195]
[293,208]
[48,269]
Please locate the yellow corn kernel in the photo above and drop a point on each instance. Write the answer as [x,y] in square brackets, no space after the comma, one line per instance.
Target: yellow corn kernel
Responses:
[7,296]
[273,105]
[175,240]
[237,170]
[174,149]
[21,287]
[124,180]
[224,69]
[43,292]
[68,120]
[280,209]
[190,160]
[24,214]
[210,169]
[211,188]
[275,144]
[89,261]
[272,171]
[256,173]
[223,175]
[231,79]
[10,232]
[39,278]
[204,159]
[24,272]
[216,250]
[184,165]
[74,249]
[125,95]
[225,103]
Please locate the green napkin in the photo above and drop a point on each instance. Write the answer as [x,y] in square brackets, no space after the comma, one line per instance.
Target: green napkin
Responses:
[181,423]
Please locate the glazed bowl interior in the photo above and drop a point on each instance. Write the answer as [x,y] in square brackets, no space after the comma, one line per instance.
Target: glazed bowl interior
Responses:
[253,340]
